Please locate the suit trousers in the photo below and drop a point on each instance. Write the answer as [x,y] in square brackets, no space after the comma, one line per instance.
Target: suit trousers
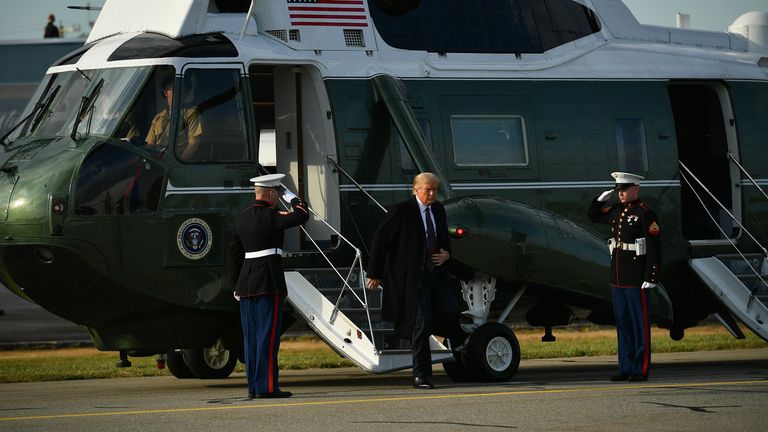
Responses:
[437,312]
[261,318]
[633,329]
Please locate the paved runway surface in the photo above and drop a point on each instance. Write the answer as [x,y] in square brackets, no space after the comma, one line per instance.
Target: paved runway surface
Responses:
[725,390]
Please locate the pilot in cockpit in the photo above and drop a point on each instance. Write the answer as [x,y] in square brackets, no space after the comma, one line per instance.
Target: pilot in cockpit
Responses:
[158,137]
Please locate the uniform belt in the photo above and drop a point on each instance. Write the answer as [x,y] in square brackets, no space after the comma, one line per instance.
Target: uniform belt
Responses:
[263,253]
[638,247]
[626,246]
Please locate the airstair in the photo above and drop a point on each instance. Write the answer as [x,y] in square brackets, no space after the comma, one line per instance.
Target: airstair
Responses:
[738,279]
[342,312]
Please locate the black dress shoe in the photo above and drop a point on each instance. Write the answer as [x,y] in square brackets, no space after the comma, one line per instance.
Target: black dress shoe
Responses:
[636,378]
[275,395]
[619,377]
[251,395]
[422,383]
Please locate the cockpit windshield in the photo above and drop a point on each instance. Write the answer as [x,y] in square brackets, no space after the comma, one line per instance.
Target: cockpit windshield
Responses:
[93,101]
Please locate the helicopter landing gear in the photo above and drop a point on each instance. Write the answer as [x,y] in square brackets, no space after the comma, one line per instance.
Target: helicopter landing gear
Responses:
[214,362]
[176,365]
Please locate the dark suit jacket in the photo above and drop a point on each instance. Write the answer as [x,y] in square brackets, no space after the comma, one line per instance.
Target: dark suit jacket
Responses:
[398,257]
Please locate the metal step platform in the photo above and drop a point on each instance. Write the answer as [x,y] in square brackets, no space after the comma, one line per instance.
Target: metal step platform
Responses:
[740,283]
[360,339]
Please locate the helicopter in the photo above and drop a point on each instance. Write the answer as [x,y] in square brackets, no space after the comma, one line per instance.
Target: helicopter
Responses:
[520,108]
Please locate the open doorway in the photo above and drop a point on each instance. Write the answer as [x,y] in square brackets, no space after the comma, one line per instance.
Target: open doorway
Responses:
[295,138]
[705,136]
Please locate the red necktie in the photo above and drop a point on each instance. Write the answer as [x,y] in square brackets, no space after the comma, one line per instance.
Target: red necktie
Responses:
[431,242]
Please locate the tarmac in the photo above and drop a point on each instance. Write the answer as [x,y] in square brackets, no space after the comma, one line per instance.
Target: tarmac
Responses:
[700,391]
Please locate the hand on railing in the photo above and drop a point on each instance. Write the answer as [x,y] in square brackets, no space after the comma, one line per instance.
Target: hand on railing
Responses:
[372,283]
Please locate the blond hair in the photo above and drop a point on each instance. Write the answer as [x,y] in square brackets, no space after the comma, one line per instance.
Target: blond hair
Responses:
[426,177]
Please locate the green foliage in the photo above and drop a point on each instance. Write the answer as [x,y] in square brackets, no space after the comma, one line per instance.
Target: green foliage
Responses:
[70,364]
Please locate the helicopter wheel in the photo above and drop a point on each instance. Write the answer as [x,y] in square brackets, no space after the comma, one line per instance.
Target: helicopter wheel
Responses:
[215,362]
[493,352]
[176,365]
[457,370]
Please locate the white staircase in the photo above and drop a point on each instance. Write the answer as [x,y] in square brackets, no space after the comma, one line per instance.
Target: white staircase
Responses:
[353,340]
[740,284]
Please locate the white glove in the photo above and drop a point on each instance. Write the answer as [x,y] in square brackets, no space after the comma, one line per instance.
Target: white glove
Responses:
[288,195]
[237,297]
[647,285]
[605,196]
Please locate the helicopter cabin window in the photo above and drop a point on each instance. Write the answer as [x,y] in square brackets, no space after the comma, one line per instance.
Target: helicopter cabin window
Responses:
[489,140]
[487,26]
[114,180]
[407,165]
[212,124]
[630,143]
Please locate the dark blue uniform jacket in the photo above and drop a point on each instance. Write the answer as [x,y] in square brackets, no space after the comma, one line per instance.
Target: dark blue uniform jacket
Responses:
[630,222]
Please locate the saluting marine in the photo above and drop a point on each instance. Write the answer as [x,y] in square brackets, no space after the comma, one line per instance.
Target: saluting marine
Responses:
[635,247]
[259,280]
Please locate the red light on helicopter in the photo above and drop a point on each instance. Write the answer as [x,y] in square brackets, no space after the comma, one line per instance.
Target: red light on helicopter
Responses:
[458,232]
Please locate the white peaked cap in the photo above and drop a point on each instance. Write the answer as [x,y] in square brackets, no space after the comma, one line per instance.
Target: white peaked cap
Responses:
[267,181]
[623,178]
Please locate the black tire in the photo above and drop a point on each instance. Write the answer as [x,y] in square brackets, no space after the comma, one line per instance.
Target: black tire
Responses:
[493,353]
[457,371]
[214,362]
[174,360]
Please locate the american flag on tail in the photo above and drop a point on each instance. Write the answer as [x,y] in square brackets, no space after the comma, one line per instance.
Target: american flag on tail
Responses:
[327,13]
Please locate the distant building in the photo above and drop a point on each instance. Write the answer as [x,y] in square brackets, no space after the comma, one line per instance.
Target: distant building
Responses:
[22,65]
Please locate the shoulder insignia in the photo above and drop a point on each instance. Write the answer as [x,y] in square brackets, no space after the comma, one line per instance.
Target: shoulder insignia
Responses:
[654,229]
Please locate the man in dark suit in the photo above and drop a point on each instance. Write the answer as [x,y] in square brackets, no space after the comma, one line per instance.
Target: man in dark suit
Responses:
[258,276]
[408,253]
[635,246]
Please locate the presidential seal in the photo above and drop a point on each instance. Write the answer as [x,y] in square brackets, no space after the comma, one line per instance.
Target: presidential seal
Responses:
[194,238]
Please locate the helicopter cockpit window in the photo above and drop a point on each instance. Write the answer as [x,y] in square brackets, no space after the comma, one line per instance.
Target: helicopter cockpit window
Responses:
[489,140]
[117,181]
[212,127]
[90,102]
[147,122]
[68,102]
[487,26]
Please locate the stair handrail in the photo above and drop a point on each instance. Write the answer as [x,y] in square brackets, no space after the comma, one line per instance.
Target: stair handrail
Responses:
[358,185]
[743,170]
[726,236]
[357,262]
[765,252]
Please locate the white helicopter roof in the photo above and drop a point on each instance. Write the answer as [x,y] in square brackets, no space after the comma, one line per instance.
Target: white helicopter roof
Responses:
[350,45]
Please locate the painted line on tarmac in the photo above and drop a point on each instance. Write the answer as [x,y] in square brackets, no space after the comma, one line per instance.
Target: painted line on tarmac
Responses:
[390,399]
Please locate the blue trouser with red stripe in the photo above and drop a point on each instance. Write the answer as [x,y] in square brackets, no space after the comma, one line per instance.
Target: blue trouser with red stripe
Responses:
[630,306]
[262,319]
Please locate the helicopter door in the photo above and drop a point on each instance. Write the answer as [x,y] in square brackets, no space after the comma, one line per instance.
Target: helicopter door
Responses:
[706,134]
[303,138]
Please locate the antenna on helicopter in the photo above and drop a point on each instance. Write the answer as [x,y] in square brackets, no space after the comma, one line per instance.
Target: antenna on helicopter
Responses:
[247,18]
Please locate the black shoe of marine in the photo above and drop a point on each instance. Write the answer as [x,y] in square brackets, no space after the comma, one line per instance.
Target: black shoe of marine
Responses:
[619,377]
[422,383]
[636,378]
[275,395]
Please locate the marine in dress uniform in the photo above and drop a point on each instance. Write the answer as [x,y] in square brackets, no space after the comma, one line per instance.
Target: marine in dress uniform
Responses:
[635,247]
[258,276]
[409,251]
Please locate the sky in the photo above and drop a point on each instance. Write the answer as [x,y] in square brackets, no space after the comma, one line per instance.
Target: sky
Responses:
[25,19]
